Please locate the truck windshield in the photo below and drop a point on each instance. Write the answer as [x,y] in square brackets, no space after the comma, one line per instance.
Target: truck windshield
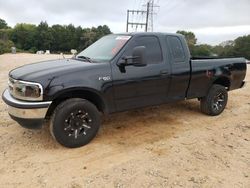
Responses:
[105,48]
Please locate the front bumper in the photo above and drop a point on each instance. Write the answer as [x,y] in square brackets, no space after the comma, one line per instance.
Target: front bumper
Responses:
[28,114]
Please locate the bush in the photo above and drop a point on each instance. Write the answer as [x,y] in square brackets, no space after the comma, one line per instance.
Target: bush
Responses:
[5,46]
[33,50]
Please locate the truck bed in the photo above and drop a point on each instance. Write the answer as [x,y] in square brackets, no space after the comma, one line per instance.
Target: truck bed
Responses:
[205,70]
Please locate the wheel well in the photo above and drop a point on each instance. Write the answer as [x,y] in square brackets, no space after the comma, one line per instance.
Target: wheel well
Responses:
[224,81]
[88,95]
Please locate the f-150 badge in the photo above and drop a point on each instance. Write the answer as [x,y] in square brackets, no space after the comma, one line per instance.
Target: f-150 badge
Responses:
[104,78]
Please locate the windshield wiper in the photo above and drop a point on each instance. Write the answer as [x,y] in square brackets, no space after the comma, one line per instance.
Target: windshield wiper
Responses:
[85,58]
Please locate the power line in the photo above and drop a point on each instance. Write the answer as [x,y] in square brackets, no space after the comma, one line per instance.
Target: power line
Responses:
[130,19]
[147,17]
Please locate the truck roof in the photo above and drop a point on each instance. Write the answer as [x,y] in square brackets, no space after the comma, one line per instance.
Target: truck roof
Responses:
[148,33]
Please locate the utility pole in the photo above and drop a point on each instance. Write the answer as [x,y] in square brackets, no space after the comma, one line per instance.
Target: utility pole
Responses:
[150,19]
[147,17]
[146,29]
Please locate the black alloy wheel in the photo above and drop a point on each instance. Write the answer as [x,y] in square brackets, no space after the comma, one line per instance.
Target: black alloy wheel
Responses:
[75,122]
[219,102]
[215,101]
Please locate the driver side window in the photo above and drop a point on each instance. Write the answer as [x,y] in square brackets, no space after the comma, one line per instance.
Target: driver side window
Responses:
[153,48]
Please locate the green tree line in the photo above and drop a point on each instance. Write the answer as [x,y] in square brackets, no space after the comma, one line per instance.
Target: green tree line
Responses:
[239,47]
[56,38]
[62,38]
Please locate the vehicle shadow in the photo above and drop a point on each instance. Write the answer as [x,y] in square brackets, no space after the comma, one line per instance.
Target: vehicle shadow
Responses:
[146,125]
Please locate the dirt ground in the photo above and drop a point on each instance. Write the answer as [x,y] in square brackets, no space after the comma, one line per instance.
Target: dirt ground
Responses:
[171,145]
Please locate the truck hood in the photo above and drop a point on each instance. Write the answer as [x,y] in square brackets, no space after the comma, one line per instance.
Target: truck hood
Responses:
[38,71]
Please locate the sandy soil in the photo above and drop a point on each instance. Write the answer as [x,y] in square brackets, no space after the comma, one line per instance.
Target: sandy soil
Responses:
[172,145]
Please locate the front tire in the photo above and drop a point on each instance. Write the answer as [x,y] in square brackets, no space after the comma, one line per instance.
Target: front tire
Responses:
[216,100]
[75,122]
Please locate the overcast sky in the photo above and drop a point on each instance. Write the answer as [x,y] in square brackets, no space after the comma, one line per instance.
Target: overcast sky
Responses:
[213,21]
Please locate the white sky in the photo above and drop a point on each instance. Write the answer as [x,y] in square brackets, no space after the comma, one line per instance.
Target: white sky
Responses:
[212,21]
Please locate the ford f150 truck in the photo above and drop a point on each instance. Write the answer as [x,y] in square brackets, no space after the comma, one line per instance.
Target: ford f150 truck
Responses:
[119,72]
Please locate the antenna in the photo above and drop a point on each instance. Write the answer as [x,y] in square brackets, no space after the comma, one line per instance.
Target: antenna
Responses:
[62,55]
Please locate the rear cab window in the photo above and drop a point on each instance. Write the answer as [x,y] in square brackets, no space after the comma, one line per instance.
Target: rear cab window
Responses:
[176,49]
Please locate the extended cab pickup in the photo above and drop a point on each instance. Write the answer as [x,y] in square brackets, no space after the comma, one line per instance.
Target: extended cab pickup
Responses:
[118,72]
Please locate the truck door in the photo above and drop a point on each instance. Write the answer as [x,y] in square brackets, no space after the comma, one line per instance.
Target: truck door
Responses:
[180,68]
[141,86]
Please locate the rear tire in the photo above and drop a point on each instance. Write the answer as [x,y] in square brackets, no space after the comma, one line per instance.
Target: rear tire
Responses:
[75,122]
[215,102]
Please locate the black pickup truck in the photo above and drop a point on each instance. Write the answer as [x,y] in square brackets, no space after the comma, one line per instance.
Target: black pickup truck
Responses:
[119,72]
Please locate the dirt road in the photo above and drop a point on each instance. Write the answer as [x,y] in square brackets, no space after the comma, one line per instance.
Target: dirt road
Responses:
[172,145]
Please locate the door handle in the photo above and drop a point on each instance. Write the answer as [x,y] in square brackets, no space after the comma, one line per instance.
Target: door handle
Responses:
[164,72]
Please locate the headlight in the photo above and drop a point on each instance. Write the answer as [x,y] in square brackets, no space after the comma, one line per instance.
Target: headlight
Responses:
[25,90]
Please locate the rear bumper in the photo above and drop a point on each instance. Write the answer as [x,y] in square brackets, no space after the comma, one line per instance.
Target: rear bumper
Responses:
[28,114]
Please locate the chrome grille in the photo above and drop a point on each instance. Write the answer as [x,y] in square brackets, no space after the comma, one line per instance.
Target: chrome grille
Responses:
[11,84]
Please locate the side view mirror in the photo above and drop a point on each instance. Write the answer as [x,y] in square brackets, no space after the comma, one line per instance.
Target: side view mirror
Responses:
[137,59]
[139,54]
